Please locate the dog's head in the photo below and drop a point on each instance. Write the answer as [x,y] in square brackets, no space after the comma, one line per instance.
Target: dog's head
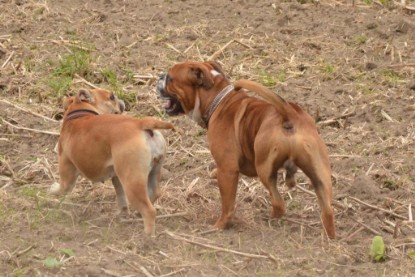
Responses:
[180,85]
[99,100]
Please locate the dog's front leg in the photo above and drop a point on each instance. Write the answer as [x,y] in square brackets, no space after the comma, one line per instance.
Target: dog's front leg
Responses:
[228,183]
[119,191]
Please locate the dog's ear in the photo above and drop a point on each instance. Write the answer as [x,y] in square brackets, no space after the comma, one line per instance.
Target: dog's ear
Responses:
[201,76]
[67,102]
[84,95]
[216,66]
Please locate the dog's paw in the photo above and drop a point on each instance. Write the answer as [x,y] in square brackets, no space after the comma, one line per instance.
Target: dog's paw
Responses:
[55,188]
[277,212]
[220,225]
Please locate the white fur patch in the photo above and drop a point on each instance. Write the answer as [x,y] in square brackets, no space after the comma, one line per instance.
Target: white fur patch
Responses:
[195,114]
[214,73]
[55,188]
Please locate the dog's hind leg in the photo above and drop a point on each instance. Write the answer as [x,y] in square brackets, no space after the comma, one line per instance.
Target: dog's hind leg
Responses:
[134,184]
[68,175]
[153,188]
[314,162]
[135,188]
[228,184]
[119,191]
[268,174]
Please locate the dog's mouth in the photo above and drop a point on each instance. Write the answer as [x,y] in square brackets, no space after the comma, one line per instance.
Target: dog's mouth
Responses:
[172,105]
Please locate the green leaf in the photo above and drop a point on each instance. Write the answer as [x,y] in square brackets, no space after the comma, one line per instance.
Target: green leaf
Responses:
[68,252]
[412,255]
[377,250]
[51,262]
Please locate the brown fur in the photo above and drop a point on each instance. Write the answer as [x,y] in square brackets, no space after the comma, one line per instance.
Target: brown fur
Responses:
[254,137]
[112,146]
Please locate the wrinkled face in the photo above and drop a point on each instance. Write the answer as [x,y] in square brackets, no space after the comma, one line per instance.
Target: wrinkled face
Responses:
[182,83]
[104,102]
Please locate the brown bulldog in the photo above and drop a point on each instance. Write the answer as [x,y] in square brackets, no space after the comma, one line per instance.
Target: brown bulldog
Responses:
[249,135]
[99,144]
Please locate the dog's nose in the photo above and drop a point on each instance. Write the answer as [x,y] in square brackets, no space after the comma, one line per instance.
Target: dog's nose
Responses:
[161,84]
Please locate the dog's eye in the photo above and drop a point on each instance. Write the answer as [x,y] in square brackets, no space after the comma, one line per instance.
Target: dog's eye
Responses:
[112,97]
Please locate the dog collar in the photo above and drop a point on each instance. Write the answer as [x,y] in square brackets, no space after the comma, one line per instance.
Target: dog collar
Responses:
[215,103]
[79,113]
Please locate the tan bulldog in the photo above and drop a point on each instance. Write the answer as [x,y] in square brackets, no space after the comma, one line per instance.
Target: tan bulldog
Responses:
[99,144]
[249,135]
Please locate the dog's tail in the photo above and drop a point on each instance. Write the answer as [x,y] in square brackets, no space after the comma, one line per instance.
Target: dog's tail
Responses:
[153,123]
[283,106]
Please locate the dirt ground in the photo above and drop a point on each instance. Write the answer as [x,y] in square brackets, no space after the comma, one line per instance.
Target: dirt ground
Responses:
[351,66]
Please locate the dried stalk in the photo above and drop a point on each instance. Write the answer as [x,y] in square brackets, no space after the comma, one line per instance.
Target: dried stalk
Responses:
[28,111]
[30,129]
[255,256]
[377,208]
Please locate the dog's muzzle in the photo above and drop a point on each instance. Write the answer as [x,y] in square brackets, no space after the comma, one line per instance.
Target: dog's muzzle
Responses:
[161,86]
[172,106]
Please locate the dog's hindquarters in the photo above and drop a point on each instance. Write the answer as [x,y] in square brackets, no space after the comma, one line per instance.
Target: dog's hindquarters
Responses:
[313,160]
[302,148]
[143,152]
[158,148]
[134,178]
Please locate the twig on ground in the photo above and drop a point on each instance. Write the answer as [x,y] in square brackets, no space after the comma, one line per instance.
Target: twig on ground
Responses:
[398,226]
[141,76]
[353,234]
[190,47]
[386,116]
[214,55]
[295,222]
[7,60]
[145,271]
[116,250]
[207,232]
[335,119]
[157,217]
[370,168]
[172,273]
[377,208]
[82,80]
[28,111]
[69,43]
[30,129]
[24,251]
[173,48]
[256,256]
[338,204]
[370,229]
[344,156]
[5,37]
[59,202]
[402,65]
[111,273]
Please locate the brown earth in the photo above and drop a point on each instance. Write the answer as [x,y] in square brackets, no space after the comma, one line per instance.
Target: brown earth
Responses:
[352,67]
